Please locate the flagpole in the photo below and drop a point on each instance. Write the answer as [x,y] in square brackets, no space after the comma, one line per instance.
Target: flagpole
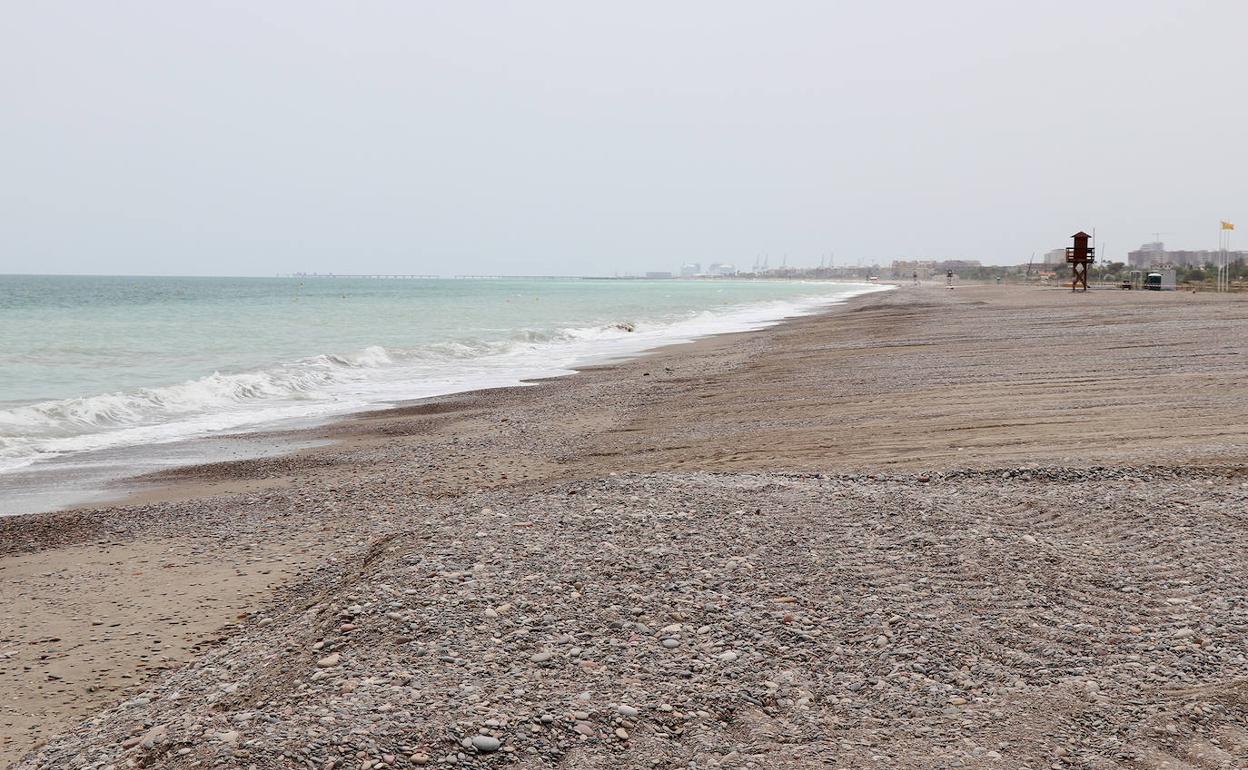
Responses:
[1224,255]
[1226,260]
[1224,246]
[1222,237]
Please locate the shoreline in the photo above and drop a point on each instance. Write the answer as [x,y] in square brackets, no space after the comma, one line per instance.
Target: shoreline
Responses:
[832,429]
[104,477]
[341,433]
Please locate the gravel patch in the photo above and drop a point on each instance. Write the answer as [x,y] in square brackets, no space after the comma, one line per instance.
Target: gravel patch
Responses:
[1016,617]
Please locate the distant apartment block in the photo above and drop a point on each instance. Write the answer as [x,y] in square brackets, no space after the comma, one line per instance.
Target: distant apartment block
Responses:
[1054,257]
[1148,255]
[1155,255]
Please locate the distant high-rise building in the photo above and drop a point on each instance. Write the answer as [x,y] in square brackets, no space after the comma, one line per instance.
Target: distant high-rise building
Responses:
[1148,255]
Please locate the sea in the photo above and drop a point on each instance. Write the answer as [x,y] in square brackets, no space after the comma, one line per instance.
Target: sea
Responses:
[105,376]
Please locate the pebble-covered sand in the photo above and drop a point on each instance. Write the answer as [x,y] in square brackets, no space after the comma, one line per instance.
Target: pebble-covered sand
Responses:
[551,578]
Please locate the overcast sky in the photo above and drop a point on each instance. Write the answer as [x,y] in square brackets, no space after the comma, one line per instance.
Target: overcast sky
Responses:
[591,137]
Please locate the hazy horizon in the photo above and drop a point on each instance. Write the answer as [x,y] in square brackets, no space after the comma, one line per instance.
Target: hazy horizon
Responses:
[560,138]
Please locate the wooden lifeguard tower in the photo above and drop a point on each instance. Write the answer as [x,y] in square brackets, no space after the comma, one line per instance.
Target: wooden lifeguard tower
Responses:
[1079,257]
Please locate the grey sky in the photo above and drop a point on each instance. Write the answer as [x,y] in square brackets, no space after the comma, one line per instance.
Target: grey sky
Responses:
[588,137]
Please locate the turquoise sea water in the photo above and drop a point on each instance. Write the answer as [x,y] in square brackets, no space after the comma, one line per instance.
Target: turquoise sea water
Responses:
[90,363]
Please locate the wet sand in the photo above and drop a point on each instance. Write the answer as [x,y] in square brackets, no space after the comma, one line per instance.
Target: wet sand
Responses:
[970,408]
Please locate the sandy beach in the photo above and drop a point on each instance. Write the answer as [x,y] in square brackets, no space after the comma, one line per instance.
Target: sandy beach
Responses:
[988,527]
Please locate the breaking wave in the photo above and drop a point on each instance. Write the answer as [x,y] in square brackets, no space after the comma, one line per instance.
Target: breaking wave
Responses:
[337,383]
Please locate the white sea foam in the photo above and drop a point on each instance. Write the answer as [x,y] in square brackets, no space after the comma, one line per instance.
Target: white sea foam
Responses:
[336,383]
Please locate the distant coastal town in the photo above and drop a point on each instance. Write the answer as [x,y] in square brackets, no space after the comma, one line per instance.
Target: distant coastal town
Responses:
[1179,267]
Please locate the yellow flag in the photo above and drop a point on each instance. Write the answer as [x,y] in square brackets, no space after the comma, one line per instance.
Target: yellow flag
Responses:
[1227,225]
